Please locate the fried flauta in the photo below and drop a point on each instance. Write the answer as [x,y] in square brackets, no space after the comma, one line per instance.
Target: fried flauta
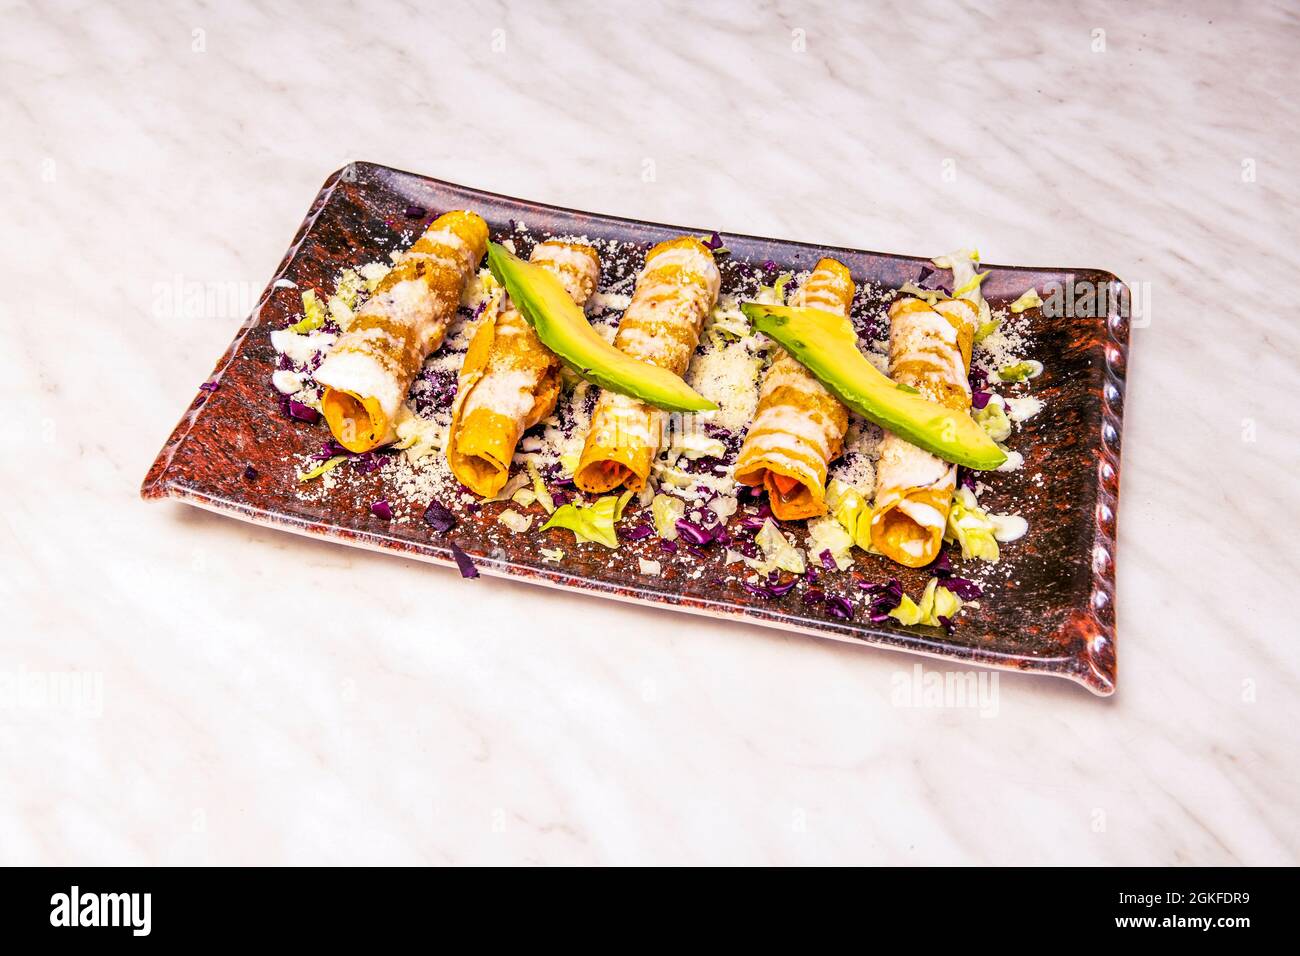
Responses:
[371,367]
[929,350]
[799,426]
[510,380]
[675,292]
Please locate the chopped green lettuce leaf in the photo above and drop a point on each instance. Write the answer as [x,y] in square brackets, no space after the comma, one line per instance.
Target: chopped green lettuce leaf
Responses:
[970,526]
[827,534]
[986,329]
[936,602]
[778,552]
[540,492]
[1029,300]
[666,510]
[328,464]
[515,521]
[594,522]
[313,314]
[852,510]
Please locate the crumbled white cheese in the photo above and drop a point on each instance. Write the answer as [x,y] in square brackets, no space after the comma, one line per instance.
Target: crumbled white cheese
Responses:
[286,382]
[1023,408]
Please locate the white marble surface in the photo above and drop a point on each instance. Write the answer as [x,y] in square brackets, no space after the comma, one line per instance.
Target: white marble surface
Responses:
[236,721]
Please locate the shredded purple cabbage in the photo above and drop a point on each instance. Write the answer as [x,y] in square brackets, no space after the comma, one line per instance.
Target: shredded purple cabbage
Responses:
[668,546]
[416,212]
[884,598]
[978,399]
[696,533]
[828,560]
[382,509]
[250,473]
[769,265]
[640,531]
[941,566]
[211,386]
[438,517]
[713,243]
[839,607]
[964,588]
[303,413]
[782,588]
[467,569]
[965,479]
[814,596]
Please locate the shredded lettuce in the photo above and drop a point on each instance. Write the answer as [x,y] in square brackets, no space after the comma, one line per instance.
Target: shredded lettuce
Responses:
[936,602]
[966,280]
[907,612]
[594,522]
[970,526]
[513,484]
[349,287]
[778,552]
[827,534]
[1021,371]
[986,329]
[540,492]
[993,419]
[666,510]
[851,510]
[313,314]
[928,296]
[524,497]
[1029,300]
[515,521]
[970,285]
[552,554]
[694,443]
[328,464]
[418,437]
[774,294]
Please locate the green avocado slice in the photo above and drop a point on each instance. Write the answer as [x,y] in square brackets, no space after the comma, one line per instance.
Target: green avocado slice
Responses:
[563,328]
[827,346]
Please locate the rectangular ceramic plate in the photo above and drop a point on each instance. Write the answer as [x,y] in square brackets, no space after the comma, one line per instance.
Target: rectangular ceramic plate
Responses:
[1052,610]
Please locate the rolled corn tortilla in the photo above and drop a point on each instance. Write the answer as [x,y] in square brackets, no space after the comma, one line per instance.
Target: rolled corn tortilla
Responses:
[674,293]
[799,426]
[929,349]
[510,380]
[371,367]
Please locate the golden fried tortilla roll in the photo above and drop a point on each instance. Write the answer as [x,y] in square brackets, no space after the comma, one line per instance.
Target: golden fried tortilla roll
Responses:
[929,349]
[799,426]
[510,380]
[674,294]
[371,367]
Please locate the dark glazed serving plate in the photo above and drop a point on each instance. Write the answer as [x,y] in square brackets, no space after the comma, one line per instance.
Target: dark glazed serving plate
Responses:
[1053,613]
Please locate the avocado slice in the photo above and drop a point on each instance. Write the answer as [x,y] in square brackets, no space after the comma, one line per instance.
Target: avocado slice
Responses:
[827,346]
[563,328]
